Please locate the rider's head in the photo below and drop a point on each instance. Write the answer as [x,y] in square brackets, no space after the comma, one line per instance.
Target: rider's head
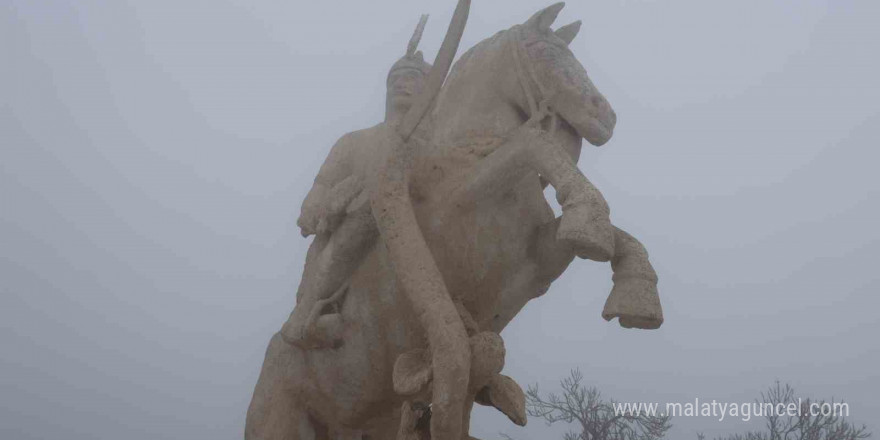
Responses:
[405,81]
[406,77]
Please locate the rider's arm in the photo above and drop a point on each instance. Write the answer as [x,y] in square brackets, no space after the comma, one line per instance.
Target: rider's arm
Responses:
[335,169]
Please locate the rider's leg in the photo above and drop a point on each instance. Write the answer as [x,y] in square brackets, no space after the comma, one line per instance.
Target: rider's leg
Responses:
[327,270]
[585,222]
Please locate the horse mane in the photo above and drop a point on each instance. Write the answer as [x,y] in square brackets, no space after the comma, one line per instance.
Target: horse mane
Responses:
[478,50]
[472,57]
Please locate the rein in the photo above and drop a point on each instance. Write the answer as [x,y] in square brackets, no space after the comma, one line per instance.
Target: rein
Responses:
[538,109]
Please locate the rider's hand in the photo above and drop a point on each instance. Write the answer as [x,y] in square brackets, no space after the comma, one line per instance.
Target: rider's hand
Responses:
[308,223]
[311,212]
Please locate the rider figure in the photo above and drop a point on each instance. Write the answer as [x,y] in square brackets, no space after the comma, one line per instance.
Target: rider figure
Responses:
[337,209]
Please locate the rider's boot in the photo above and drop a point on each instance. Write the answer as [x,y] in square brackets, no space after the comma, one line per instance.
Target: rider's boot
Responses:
[585,223]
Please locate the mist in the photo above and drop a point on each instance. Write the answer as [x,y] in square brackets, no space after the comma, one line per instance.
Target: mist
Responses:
[154,156]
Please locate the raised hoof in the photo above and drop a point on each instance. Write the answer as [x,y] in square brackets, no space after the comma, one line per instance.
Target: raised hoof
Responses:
[635,301]
[591,237]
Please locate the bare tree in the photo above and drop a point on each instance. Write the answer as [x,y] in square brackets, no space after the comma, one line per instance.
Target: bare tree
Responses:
[810,422]
[746,436]
[595,418]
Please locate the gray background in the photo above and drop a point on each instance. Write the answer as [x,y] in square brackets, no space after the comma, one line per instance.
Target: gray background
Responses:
[153,156]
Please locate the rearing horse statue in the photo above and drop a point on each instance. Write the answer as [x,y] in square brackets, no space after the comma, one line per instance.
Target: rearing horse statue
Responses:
[509,120]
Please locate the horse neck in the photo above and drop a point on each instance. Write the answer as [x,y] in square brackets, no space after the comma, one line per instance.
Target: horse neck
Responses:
[476,100]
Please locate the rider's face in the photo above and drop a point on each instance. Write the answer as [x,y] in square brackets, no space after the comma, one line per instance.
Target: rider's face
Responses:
[403,87]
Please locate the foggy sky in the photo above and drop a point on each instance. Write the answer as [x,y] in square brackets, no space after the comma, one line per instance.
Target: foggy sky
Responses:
[154,155]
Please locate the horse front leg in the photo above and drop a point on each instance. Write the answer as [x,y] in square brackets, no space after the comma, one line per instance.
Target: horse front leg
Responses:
[634,298]
[585,224]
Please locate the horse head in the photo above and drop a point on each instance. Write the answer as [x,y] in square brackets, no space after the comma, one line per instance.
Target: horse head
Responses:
[550,74]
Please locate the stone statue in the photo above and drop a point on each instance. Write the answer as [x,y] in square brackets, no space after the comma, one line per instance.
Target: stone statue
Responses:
[432,232]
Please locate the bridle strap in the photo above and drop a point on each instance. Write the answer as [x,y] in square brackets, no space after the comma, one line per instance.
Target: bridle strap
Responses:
[513,33]
[538,110]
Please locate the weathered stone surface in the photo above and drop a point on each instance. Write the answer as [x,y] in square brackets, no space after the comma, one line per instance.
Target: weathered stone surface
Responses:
[505,394]
[431,234]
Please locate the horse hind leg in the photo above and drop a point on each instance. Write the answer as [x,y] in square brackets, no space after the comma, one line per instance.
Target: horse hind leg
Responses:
[275,413]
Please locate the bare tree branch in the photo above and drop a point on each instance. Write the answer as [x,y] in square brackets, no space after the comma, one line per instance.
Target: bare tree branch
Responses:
[595,418]
[801,426]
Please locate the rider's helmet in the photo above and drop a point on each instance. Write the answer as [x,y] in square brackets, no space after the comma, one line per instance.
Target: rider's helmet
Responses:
[413,60]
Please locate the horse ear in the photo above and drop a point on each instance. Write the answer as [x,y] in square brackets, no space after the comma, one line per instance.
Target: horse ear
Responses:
[569,31]
[542,19]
